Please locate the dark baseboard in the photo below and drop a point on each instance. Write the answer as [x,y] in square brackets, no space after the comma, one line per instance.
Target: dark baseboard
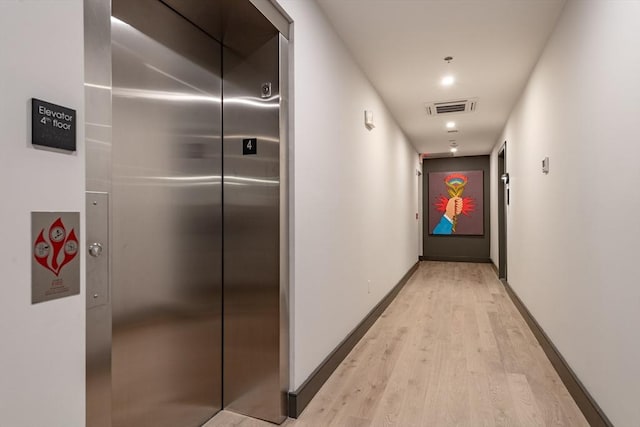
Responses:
[299,399]
[494,267]
[454,259]
[592,412]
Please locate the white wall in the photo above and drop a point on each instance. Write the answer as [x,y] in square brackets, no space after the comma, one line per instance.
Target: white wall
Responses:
[573,235]
[355,193]
[41,346]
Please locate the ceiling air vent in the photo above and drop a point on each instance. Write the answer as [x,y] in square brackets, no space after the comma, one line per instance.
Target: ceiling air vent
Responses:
[451,107]
[437,155]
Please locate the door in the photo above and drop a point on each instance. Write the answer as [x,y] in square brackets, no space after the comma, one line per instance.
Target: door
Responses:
[503,191]
[252,297]
[167,220]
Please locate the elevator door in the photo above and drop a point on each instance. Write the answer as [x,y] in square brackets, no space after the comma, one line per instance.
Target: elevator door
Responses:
[252,333]
[167,223]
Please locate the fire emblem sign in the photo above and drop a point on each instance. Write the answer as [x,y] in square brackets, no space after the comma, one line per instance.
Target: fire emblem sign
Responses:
[55,257]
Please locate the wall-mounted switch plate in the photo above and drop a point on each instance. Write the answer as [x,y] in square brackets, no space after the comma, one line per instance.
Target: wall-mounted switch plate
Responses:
[368,119]
[545,165]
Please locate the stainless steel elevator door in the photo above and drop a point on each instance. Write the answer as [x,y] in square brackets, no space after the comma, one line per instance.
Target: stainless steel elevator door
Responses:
[251,233]
[167,224]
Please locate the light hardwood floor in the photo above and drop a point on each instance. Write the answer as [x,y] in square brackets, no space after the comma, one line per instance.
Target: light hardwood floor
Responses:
[450,350]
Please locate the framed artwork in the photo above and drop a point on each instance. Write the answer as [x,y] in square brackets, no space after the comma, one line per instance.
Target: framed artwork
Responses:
[456,203]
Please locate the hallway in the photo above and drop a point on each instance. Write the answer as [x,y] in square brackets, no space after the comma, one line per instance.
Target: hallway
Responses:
[451,350]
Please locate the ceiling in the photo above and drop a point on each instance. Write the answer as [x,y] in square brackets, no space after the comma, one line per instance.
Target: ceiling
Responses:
[400,45]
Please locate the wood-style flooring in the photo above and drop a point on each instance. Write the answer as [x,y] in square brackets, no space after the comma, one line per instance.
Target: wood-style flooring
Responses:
[450,350]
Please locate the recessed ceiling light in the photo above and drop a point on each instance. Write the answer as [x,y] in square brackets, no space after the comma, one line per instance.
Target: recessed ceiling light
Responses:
[448,80]
[453,145]
[451,125]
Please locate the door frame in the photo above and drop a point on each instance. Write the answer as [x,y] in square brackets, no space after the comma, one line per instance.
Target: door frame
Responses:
[503,202]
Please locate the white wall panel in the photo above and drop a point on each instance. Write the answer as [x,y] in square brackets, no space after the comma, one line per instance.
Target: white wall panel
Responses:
[573,234]
[41,346]
[356,193]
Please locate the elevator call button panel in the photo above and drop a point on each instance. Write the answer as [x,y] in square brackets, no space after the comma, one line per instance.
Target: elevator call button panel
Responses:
[97,241]
[52,125]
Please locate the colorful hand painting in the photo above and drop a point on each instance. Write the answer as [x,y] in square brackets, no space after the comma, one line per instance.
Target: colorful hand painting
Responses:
[445,212]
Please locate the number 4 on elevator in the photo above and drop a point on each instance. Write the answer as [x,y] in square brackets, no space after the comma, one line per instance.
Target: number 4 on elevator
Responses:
[249,146]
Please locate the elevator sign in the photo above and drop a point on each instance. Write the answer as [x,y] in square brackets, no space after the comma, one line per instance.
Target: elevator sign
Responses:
[249,146]
[55,261]
[52,125]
